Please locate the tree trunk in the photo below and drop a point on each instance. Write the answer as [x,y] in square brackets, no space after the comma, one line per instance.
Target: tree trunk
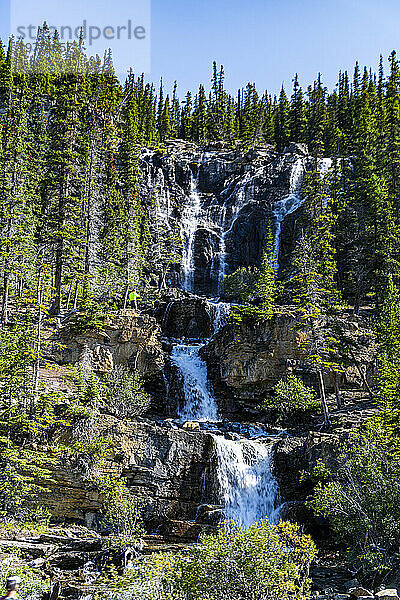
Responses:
[357,302]
[126,297]
[69,296]
[38,349]
[76,294]
[363,376]
[4,305]
[339,403]
[325,409]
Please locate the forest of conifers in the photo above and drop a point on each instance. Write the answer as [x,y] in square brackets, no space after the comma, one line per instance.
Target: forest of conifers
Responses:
[75,233]
[70,136]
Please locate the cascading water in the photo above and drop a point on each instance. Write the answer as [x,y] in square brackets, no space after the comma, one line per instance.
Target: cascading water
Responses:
[219,313]
[294,199]
[227,224]
[289,203]
[200,404]
[189,224]
[248,488]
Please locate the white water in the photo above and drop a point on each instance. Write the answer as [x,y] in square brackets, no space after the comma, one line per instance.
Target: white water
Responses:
[188,225]
[200,404]
[288,204]
[294,199]
[219,313]
[239,193]
[249,490]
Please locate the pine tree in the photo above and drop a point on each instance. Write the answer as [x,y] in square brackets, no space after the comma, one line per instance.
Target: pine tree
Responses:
[282,122]
[297,115]
[267,285]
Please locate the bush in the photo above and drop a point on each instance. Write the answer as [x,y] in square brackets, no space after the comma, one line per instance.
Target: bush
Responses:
[126,396]
[33,586]
[122,514]
[292,396]
[361,500]
[266,561]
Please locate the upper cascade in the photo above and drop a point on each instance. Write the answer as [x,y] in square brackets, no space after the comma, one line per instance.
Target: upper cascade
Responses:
[220,203]
[290,203]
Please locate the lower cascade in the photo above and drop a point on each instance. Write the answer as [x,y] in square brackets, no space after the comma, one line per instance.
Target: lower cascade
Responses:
[200,404]
[248,488]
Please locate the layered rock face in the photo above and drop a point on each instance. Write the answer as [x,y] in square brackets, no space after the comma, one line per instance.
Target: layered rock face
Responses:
[221,203]
[127,338]
[169,468]
[246,360]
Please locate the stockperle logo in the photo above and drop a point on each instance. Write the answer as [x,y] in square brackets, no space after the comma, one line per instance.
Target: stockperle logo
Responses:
[91,33]
[124,27]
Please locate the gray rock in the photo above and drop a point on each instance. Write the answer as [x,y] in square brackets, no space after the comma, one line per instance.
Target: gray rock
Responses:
[387,594]
[171,470]
[360,592]
[33,549]
[191,425]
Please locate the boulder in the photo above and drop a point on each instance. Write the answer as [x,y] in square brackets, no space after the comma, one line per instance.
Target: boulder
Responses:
[192,425]
[185,318]
[127,338]
[360,592]
[36,550]
[352,583]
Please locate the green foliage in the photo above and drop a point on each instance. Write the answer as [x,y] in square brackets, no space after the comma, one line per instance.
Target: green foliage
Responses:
[91,320]
[125,393]
[122,513]
[292,396]
[361,499]
[266,284]
[266,561]
[33,587]
[24,415]
[388,333]
[242,284]
[256,288]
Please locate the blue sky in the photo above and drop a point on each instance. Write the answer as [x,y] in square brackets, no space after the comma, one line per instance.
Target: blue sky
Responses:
[267,41]
[263,41]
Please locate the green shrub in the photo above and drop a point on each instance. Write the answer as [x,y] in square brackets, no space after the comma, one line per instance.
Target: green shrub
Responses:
[122,514]
[126,396]
[361,500]
[242,284]
[292,396]
[33,586]
[266,561]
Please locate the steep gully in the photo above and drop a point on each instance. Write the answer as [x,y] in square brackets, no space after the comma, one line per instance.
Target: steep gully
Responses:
[247,487]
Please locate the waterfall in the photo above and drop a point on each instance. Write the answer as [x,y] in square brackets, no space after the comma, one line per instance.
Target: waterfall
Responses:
[219,313]
[200,404]
[249,490]
[226,226]
[188,225]
[288,204]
